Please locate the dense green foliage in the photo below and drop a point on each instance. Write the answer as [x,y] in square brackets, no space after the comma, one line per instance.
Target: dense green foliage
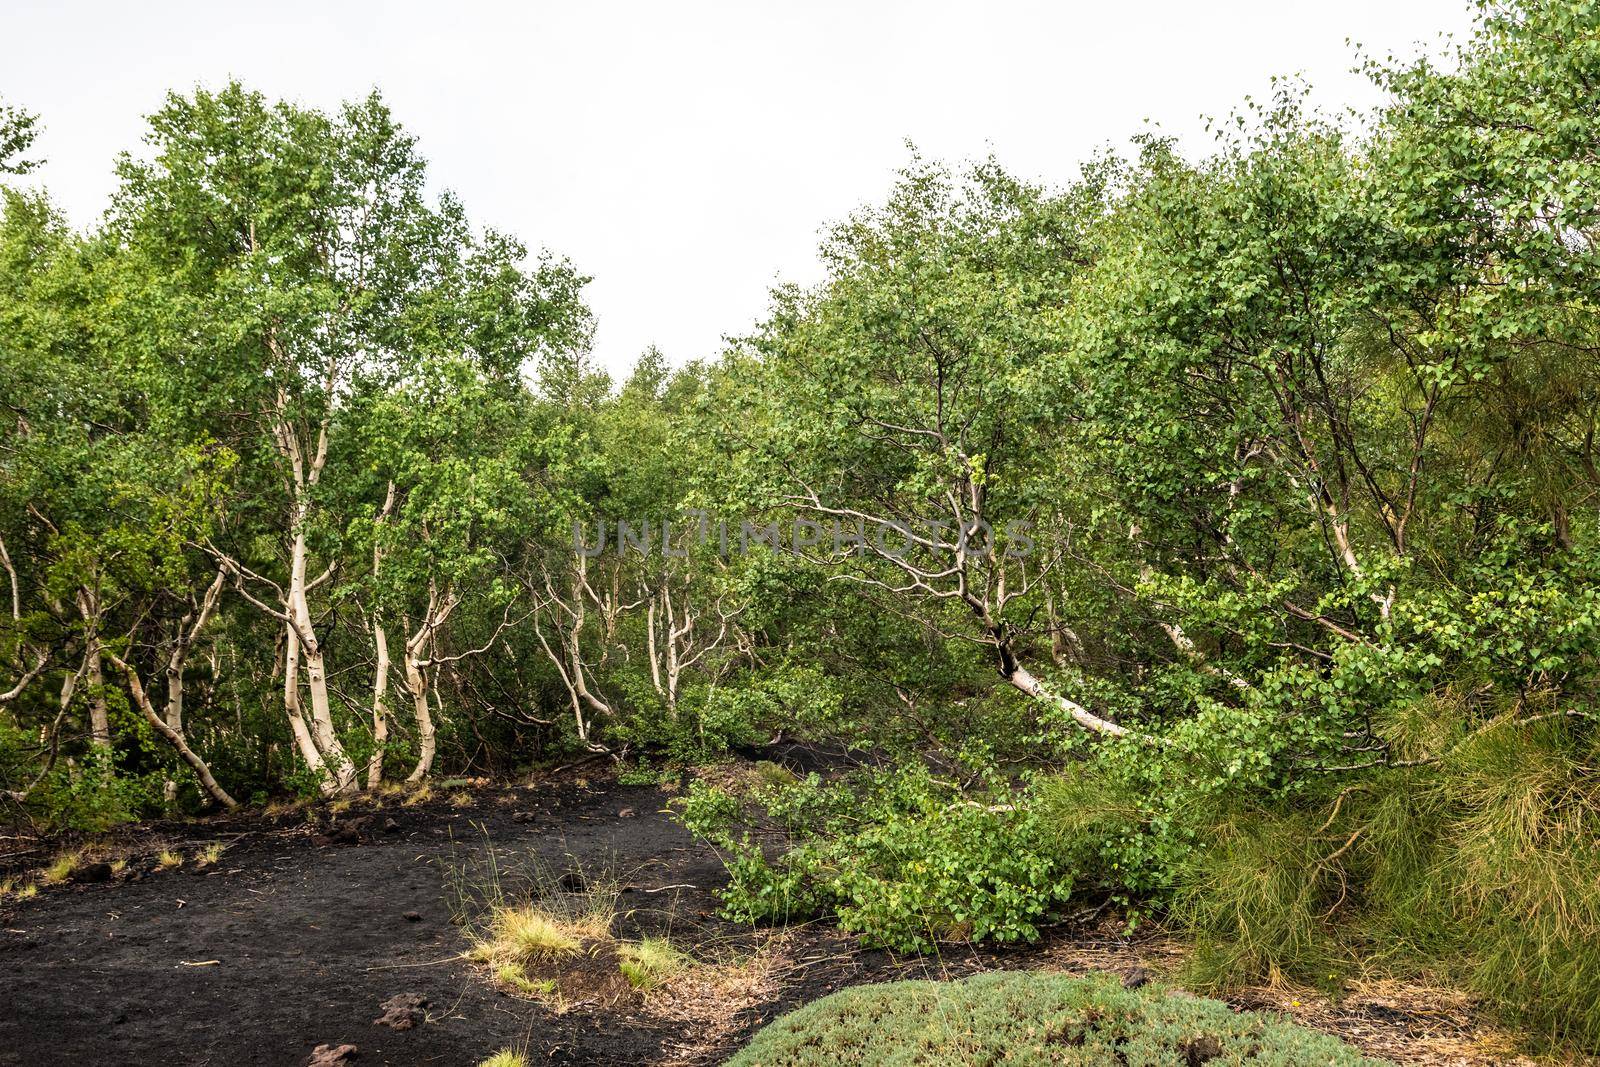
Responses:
[1217,534]
[1029,1018]
[903,858]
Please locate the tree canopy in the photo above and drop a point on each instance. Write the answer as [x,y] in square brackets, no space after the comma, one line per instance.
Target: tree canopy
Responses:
[1172,523]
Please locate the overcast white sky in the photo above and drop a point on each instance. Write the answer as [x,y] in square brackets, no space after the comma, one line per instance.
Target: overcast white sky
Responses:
[686,154]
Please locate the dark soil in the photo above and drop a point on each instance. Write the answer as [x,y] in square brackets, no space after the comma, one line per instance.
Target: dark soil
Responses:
[297,937]
[301,932]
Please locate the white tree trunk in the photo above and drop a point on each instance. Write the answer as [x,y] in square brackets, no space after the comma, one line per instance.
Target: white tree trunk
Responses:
[417,683]
[336,765]
[380,644]
[99,717]
[380,705]
[297,720]
[188,630]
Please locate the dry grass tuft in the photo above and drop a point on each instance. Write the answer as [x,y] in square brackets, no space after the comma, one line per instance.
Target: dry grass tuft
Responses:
[506,1058]
[517,935]
[169,860]
[61,868]
[1405,1021]
[278,808]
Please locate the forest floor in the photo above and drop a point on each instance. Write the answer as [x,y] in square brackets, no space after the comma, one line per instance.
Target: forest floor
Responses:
[309,921]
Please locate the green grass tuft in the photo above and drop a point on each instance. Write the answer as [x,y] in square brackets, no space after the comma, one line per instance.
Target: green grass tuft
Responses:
[513,975]
[651,962]
[1484,867]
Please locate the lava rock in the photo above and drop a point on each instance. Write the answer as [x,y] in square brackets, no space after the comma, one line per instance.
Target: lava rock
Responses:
[412,916]
[349,834]
[1134,977]
[402,1011]
[92,872]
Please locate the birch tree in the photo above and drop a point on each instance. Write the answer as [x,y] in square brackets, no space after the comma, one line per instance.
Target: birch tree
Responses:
[293,263]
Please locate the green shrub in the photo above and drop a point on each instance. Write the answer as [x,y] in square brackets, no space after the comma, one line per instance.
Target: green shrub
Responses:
[1027,1019]
[961,873]
[778,891]
[92,795]
[902,859]
[709,812]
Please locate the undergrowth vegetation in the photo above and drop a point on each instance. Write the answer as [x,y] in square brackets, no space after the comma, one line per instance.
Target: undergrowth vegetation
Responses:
[1032,1020]
[1485,865]
[902,858]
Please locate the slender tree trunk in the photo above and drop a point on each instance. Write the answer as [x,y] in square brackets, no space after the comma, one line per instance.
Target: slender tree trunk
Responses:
[380,708]
[673,668]
[1019,677]
[335,767]
[51,735]
[297,719]
[566,653]
[99,717]
[41,659]
[421,654]
[333,753]
[174,737]
[1023,680]
[380,644]
[417,683]
[175,697]
[1064,642]
[334,760]
[187,632]
[655,660]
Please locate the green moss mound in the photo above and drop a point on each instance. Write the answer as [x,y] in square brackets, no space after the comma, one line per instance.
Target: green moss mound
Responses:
[1024,1019]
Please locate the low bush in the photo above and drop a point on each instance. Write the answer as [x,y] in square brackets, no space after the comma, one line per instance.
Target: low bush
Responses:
[899,857]
[1026,1019]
